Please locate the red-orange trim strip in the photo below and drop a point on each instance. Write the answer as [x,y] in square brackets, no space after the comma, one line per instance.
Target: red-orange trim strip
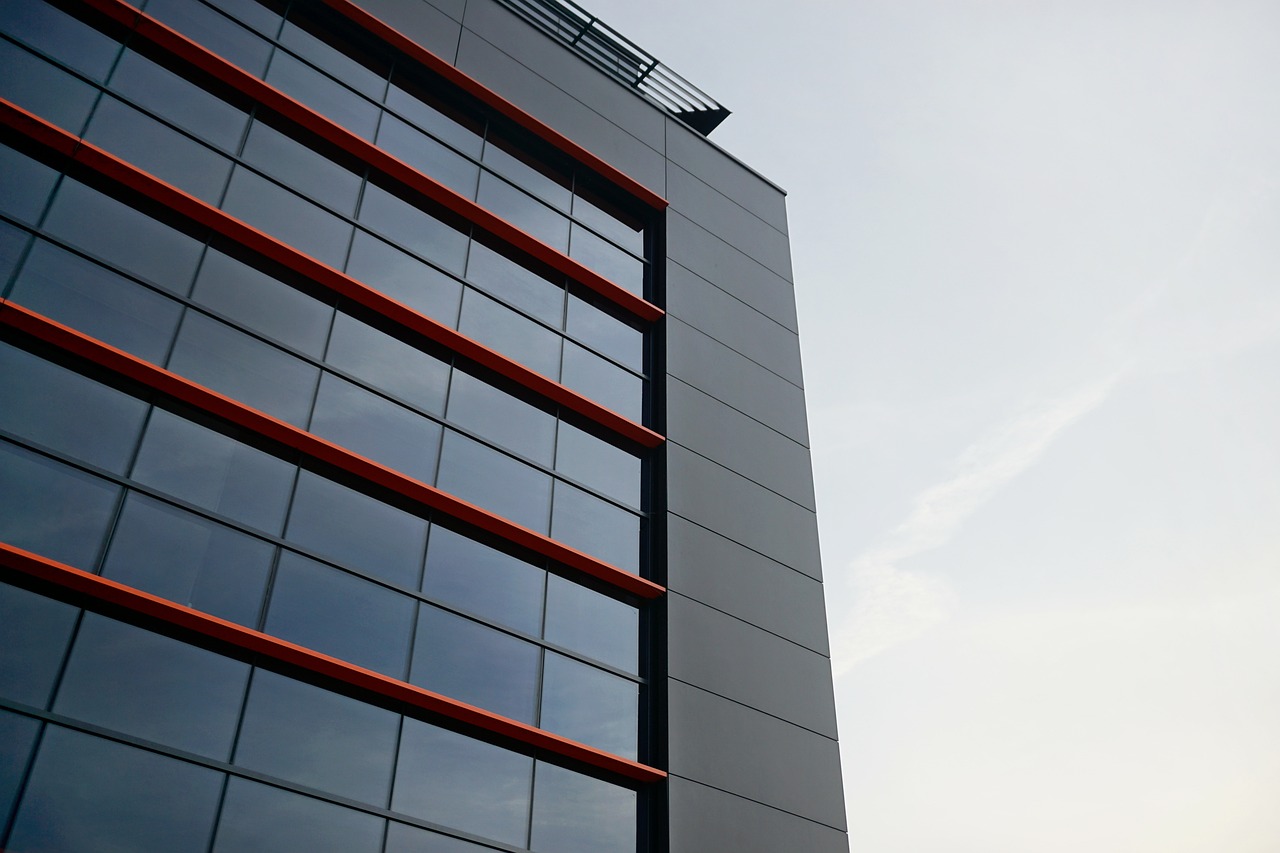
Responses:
[228,226]
[256,642]
[360,148]
[235,412]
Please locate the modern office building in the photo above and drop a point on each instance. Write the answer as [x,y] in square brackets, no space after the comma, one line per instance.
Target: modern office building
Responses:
[402,442]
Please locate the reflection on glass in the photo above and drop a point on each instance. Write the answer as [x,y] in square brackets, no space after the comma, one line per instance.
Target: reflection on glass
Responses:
[27,185]
[413,228]
[573,813]
[404,278]
[47,91]
[323,94]
[259,818]
[298,166]
[601,529]
[34,632]
[605,333]
[421,105]
[512,334]
[389,364]
[376,427]
[589,705]
[538,294]
[501,417]
[216,32]
[592,624]
[598,464]
[474,577]
[288,217]
[18,734]
[607,259]
[523,211]
[428,156]
[603,381]
[403,838]
[180,101]
[487,477]
[56,33]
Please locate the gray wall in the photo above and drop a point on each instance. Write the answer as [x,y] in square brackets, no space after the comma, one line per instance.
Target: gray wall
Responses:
[752,734]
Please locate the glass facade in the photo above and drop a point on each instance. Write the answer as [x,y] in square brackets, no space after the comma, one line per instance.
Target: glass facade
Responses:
[193,416]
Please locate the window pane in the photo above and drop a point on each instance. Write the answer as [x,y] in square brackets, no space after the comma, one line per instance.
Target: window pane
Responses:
[419,105]
[13,242]
[153,687]
[34,632]
[307,171]
[592,624]
[260,302]
[601,529]
[598,464]
[573,813]
[376,427]
[333,58]
[244,368]
[259,818]
[117,233]
[322,94]
[94,300]
[605,333]
[87,793]
[260,17]
[610,220]
[328,610]
[539,295]
[451,779]
[589,705]
[501,418]
[607,259]
[495,481]
[191,560]
[514,335]
[158,149]
[357,530]
[58,34]
[402,838]
[182,102]
[318,738]
[52,509]
[413,228]
[209,469]
[475,664]
[41,88]
[404,278]
[216,32]
[523,211]
[474,577]
[428,156]
[388,364]
[604,382]
[68,412]
[27,185]
[288,217]
[527,172]
[18,734]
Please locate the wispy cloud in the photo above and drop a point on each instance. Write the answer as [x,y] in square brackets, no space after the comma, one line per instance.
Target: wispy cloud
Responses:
[892,604]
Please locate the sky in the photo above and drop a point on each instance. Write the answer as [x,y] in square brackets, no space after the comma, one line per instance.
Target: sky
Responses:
[1037,261]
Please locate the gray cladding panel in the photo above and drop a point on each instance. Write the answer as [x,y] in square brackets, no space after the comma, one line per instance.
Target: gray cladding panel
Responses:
[723,434]
[728,220]
[733,323]
[731,378]
[743,751]
[561,111]
[714,651]
[706,255]
[434,25]
[705,820]
[729,504]
[721,171]
[719,572]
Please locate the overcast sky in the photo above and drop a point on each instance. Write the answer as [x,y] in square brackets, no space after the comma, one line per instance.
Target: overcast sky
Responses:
[1037,258]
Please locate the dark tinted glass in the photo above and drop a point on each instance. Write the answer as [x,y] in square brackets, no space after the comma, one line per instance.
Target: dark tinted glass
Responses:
[262,18]
[157,148]
[323,94]
[476,664]
[34,632]
[18,734]
[417,103]
[182,102]
[525,171]
[605,333]
[317,738]
[573,813]
[602,381]
[592,624]
[501,418]
[216,32]
[404,278]
[288,217]
[13,241]
[511,334]
[310,173]
[523,211]
[388,364]
[43,89]
[259,818]
[450,779]
[209,469]
[610,220]
[413,228]
[58,34]
[27,185]
[488,477]
[357,530]
[52,509]
[402,838]
[260,302]
[116,232]
[598,464]
[428,156]
[87,793]
[185,558]
[589,705]
[68,412]
[376,427]
[519,286]
[153,687]
[244,368]
[607,259]
[326,54]
[601,529]
[99,302]
[474,577]
[328,610]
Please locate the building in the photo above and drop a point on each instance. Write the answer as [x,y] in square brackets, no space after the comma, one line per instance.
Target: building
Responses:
[402,442]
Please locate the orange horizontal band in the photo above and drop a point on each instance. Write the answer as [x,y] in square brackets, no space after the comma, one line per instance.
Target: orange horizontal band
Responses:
[205,214]
[256,642]
[274,429]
